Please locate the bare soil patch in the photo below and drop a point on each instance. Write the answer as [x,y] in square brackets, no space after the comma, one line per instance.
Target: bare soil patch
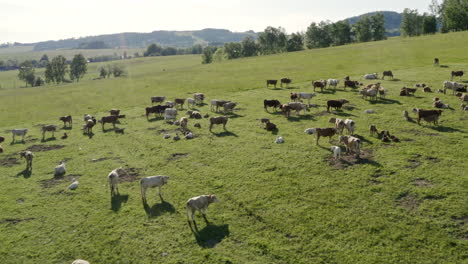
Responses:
[421,182]
[323,113]
[9,162]
[15,220]
[59,179]
[132,175]
[350,160]
[414,162]
[409,201]
[41,148]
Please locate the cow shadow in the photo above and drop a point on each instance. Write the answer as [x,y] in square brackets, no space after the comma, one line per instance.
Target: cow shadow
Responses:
[117,201]
[233,115]
[394,80]
[17,142]
[386,101]
[154,119]
[444,129]
[158,209]
[444,66]
[300,117]
[26,173]
[67,128]
[363,139]
[211,235]
[342,113]
[48,139]
[109,130]
[225,134]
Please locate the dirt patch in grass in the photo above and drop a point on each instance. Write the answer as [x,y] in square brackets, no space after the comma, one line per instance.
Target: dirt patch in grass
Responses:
[59,179]
[414,162]
[15,220]
[323,113]
[176,156]
[409,201]
[421,182]
[419,132]
[133,174]
[105,158]
[432,159]
[41,148]
[346,160]
[9,162]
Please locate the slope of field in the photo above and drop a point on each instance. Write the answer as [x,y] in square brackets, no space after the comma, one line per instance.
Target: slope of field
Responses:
[280,203]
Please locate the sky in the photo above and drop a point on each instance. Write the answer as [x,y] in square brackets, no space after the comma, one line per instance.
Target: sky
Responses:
[29,21]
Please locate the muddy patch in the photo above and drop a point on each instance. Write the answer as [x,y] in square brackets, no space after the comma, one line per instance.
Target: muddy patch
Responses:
[409,201]
[432,159]
[9,162]
[421,182]
[417,132]
[133,174]
[346,160]
[58,179]
[41,148]
[15,220]
[323,113]
[106,158]
[414,162]
[176,156]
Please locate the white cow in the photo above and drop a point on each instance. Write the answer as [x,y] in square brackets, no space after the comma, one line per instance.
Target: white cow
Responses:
[151,182]
[199,203]
[349,125]
[190,102]
[170,113]
[453,86]
[336,151]
[307,96]
[19,132]
[333,82]
[371,76]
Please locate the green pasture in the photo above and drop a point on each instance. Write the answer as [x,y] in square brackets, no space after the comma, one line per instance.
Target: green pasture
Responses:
[280,203]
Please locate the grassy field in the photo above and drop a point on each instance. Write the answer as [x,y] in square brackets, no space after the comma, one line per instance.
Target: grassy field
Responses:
[280,203]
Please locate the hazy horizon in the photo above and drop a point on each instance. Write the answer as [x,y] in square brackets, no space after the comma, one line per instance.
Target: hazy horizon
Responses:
[35,21]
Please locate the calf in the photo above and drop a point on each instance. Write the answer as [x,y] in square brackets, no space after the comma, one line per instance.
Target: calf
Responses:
[271,103]
[436,61]
[336,151]
[180,102]
[286,81]
[427,90]
[294,97]
[88,127]
[199,97]
[339,124]
[199,203]
[170,113]
[108,119]
[387,73]
[113,179]
[286,109]
[337,104]
[352,84]
[66,119]
[320,84]
[352,144]
[28,156]
[373,130]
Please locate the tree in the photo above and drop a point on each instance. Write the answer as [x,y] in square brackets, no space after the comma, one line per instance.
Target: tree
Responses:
[454,15]
[378,27]
[295,42]
[341,33]
[26,73]
[168,51]
[102,72]
[197,49]
[118,70]
[44,60]
[233,50]
[363,30]
[249,47]
[78,67]
[411,23]
[219,55]
[429,24]
[207,56]
[56,70]
[318,35]
[153,50]
[272,40]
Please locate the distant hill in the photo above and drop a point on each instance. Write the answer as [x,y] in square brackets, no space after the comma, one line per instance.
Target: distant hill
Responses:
[142,40]
[392,21]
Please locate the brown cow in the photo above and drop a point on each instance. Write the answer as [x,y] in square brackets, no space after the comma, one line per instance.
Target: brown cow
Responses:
[320,84]
[457,74]
[272,82]
[422,113]
[387,73]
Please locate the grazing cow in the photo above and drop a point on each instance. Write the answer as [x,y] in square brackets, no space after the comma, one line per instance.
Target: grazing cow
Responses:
[48,128]
[170,113]
[88,127]
[296,106]
[373,130]
[352,144]
[19,132]
[387,73]
[323,132]
[194,114]
[407,91]
[337,104]
[113,179]
[199,97]
[457,74]
[427,90]
[436,61]
[307,96]
[339,124]
[190,102]
[420,85]
[28,156]
[270,126]
[2,139]
[66,119]
[170,104]
[216,104]
[286,109]
[454,86]
[320,84]
[229,107]
[271,103]
[199,203]
[463,97]
[333,82]
[286,81]
[218,120]
[152,182]
[180,101]
[349,125]
[369,92]
[157,99]
[336,151]
[60,169]
[272,82]
[352,84]
[114,112]
[422,113]
[108,119]
[184,123]
[371,76]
